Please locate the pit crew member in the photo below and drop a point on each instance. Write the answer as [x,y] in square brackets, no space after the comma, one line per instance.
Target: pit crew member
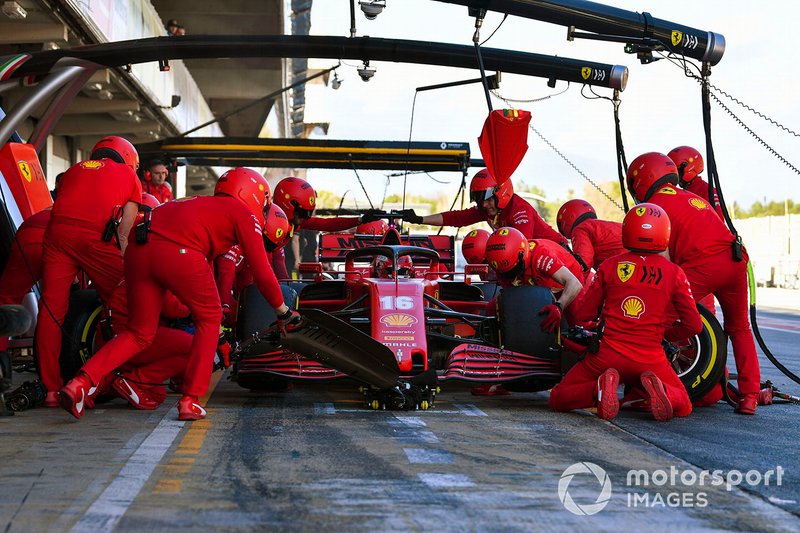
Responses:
[518,261]
[714,262]
[97,202]
[184,238]
[633,292]
[497,205]
[593,240]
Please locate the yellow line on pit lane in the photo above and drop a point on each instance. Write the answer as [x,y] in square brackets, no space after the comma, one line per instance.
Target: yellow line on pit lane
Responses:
[191,444]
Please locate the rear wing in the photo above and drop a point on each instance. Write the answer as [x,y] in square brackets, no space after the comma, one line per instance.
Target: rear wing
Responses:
[334,246]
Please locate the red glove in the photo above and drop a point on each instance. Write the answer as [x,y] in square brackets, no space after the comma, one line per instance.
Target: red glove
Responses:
[290,321]
[552,317]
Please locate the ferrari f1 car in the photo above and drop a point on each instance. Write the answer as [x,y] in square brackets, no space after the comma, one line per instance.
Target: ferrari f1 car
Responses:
[399,318]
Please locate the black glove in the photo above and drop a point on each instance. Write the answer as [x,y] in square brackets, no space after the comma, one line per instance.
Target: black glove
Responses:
[410,216]
[290,321]
[371,215]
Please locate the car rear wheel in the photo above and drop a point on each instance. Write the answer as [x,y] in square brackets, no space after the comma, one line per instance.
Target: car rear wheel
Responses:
[79,331]
[700,360]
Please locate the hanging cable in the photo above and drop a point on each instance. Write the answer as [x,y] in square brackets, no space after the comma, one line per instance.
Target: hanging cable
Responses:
[622,164]
[408,148]
[713,183]
[476,37]
[505,16]
[362,184]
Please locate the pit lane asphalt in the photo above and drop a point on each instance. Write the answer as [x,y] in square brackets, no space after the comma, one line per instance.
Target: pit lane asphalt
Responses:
[314,458]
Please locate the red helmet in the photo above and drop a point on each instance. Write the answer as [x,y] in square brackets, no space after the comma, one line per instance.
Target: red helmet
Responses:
[297,199]
[646,228]
[573,213]
[149,201]
[117,149]
[648,173]
[276,227]
[246,185]
[382,266]
[377,227]
[689,163]
[474,246]
[505,249]
[483,186]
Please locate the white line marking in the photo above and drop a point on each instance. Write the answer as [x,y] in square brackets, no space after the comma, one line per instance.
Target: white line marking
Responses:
[414,436]
[407,421]
[428,456]
[446,480]
[778,329]
[111,505]
[324,409]
[469,409]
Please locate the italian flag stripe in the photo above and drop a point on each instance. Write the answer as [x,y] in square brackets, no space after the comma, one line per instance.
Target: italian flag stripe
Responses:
[11,65]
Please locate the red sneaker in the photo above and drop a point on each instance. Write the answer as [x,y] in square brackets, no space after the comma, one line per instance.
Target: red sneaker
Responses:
[98,390]
[189,408]
[52,400]
[747,404]
[494,389]
[72,396]
[659,403]
[607,399]
[134,394]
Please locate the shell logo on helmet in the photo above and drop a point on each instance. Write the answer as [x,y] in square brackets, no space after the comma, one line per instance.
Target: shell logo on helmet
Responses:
[698,203]
[625,270]
[632,307]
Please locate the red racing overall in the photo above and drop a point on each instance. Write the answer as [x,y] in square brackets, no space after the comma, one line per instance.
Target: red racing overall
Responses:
[518,214]
[544,260]
[24,266]
[89,194]
[165,358]
[700,244]
[636,292]
[185,237]
[232,275]
[595,240]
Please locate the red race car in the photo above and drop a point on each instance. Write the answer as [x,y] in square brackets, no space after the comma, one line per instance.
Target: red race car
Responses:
[400,319]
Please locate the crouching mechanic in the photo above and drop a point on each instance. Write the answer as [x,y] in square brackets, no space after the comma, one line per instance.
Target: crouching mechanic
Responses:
[633,310]
[713,260]
[184,238]
[497,205]
[538,262]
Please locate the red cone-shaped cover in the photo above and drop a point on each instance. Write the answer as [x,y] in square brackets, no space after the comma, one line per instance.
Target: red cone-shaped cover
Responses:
[504,141]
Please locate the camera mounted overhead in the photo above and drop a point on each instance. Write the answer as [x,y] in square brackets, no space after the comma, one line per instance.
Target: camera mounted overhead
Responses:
[372,8]
[366,72]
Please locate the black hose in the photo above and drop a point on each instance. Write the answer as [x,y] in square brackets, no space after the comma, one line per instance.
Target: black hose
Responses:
[714,183]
